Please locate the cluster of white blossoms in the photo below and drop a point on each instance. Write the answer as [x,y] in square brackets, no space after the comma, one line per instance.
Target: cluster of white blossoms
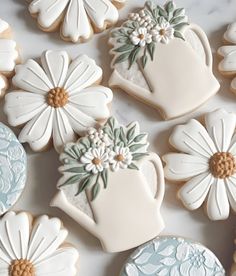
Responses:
[143,19]
[98,137]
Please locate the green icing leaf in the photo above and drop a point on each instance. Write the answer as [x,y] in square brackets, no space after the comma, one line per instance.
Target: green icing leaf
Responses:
[95,191]
[170,7]
[85,142]
[178,35]
[131,133]
[123,57]
[104,175]
[139,137]
[125,48]
[177,20]
[134,55]
[84,183]
[136,147]
[132,166]
[178,12]
[70,152]
[72,180]
[144,60]
[117,134]
[151,49]
[111,123]
[115,34]
[78,170]
[137,156]
[122,136]
[163,13]
[123,40]
[180,26]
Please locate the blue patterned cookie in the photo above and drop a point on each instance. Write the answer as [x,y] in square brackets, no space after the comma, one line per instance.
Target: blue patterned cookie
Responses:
[172,256]
[12,169]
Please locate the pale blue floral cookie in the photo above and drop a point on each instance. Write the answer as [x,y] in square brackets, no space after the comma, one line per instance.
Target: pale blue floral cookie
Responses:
[172,256]
[12,169]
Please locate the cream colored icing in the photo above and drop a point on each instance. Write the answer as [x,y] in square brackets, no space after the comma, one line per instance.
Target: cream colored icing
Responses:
[230,34]
[3,26]
[126,213]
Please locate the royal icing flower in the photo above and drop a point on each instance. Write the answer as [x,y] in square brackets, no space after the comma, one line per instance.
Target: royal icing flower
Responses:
[58,100]
[98,137]
[96,160]
[163,32]
[34,248]
[207,162]
[141,37]
[5,175]
[120,158]
[78,19]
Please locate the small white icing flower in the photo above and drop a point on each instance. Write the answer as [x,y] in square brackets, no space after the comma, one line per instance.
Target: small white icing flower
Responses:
[98,137]
[5,175]
[57,100]
[120,158]
[96,160]
[141,37]
[35,249]
[163,32]
[207,162]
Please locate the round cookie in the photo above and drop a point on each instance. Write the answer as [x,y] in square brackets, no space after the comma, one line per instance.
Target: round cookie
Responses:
[13,169]
[34,246]
[172,256]
[59,99]
[206,161]
[8,55]
[78,20]
[112,186]
[159,58]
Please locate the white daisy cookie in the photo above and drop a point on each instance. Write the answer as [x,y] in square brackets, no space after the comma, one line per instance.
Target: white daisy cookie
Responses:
[206,161]
[78,20]
[34,246]
[59,99]
[112,186]
[227,53]
[8,55]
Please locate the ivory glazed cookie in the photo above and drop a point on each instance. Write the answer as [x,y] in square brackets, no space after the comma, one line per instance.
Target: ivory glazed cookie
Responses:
[112,186]
[58,99]
[227,65]
[35,246]
[78,20]
[167,256]
[8,55]
[206,161]
[159,58]
[13,169]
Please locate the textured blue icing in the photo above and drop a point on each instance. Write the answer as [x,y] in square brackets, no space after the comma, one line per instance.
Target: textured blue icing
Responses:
[12,168]
[172,256]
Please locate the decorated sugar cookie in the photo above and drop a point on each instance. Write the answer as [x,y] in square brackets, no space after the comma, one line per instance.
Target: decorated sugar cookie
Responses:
[233,268]
[169,256]
[227,66]
[58,99]
[159,58]
[113,186]
[206,161]
[8,55]
[78,20]
[34,247]
[13,169]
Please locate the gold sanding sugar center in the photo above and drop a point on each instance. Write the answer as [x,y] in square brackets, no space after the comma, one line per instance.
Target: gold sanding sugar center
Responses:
[57,97]
[96,161]
[141,36]
[21,268]
[120,157]
[162,32]
[222,165]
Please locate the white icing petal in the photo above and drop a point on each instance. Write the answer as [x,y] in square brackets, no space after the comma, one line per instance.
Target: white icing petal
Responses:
[193,138]
[93,101]
[76,23]
[21,107]
[180,166]
[83,72]
[231,191]
[101,11]
[218,204]
[62,130]
[62,262]
[197,270]
[2,85]
[38,131]
[78,120]
[221,127]
[14,238]
[195,191]
[55,64]
[228,64]
[31,77]
[46,237]
[8,55]
[230,33]
[48,11]
[3,26]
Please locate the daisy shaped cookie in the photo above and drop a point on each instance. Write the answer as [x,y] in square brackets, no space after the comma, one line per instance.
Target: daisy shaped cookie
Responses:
[58,100]
[206,162]
[78,19]
[34,247]
[8,55]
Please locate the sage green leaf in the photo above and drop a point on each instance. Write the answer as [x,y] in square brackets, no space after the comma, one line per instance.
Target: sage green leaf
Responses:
[163,13]
[72,180]
[135,25]
[178,12]
[77,170]
[136,147]
[139,137]
[121,144]
[155,13]
[85,142]
[95,191]
[132,166]
[178,35]
[122,31]
[177,20]
[76,150]
[116,133]
[137,156]
[125,48]
[123,57]
[104,176]
[134,55]
[111,123]
[151,49]
[131,132]
[170,7]
[85,183]
[69,151]
[122,136]
[144,60]
[149,5]
[180,26]
[123,40]
[115,34]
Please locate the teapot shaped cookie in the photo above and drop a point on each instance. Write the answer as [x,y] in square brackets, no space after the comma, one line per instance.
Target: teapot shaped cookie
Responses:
[112,186]
[162,60]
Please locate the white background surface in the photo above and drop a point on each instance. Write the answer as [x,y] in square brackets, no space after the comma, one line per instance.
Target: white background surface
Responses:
[213,16]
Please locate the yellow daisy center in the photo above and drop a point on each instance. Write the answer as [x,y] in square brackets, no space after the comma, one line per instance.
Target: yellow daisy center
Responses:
[119,157]
[21,268]
[96,161]
[57,97]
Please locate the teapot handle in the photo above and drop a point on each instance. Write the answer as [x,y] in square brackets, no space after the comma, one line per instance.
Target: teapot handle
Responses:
[205,42]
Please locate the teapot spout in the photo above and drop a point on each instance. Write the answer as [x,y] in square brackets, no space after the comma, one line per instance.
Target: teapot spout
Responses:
[60,201]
